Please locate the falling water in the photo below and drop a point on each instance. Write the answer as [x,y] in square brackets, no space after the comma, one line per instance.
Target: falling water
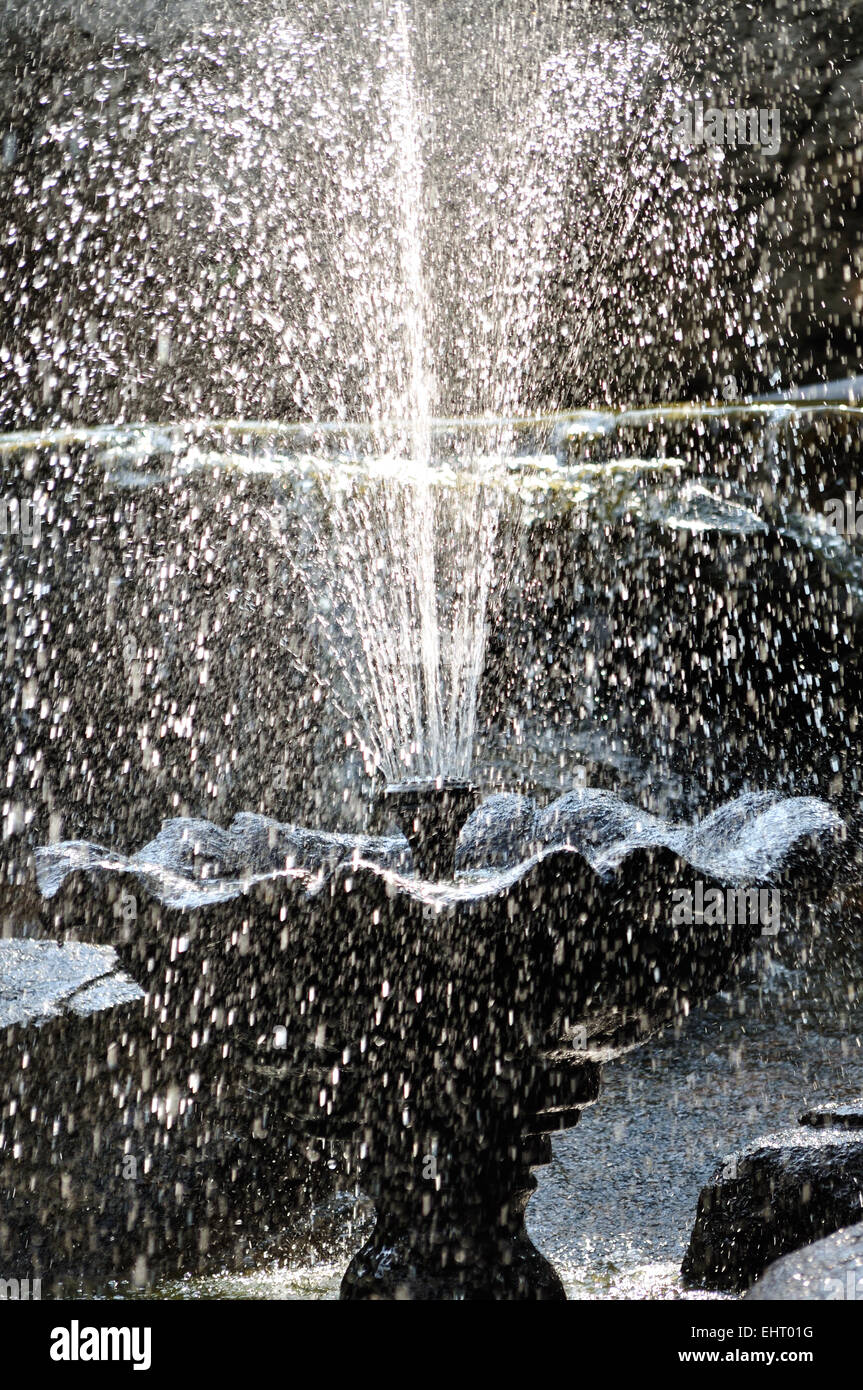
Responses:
[402,574]
[325,332]
[458,223]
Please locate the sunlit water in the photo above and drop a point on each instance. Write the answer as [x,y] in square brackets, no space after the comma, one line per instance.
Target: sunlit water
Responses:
[403,544]
[464,226]
[404,241]
[615,1207]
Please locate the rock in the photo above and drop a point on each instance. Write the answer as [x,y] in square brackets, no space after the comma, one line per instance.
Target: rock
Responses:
[780,1193]
[830,1269]
[846,1114]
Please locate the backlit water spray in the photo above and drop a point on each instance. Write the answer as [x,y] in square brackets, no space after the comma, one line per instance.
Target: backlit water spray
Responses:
[465,221]
[402,571]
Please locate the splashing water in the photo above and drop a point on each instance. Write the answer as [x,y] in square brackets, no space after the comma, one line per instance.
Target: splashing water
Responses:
[400,587]
[440,229]
[402,577]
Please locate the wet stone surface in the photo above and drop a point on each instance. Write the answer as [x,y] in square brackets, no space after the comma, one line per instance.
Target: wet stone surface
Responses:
[829,1270]
[41,980]
[771,1197]
[614,1211]
[833,1115]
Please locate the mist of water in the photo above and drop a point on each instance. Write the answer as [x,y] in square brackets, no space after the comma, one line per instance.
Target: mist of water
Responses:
[442,228]
[402,577]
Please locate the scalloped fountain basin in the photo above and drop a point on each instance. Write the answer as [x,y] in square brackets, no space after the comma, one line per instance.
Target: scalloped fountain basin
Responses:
[443,1028]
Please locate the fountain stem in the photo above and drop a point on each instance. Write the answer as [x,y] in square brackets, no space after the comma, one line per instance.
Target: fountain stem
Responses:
[431,814]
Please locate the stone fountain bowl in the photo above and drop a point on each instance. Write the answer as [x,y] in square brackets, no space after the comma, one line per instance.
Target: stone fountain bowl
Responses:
[559,931]
[452,1020]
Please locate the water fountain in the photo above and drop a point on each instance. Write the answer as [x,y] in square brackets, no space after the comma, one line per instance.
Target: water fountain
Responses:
[444,1028]
[442,1000]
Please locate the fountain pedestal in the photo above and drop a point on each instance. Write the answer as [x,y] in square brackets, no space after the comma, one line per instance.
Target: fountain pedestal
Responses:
[430,816]
[450,1203]
[463,1239]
